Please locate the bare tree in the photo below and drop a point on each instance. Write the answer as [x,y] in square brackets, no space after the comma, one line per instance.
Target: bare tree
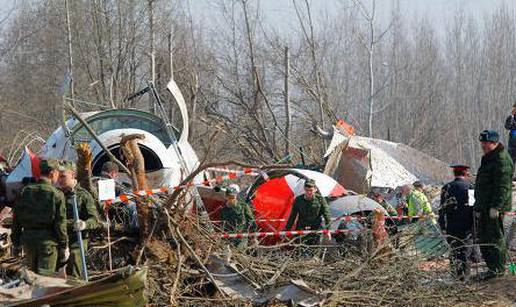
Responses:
[369,42]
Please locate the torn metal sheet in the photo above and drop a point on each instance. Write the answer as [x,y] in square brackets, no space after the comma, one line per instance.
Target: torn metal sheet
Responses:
[162,161]
[359,163]
[234,284]
[123,288]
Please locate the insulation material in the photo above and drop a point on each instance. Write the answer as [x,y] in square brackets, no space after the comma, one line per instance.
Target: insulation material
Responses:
[359,163]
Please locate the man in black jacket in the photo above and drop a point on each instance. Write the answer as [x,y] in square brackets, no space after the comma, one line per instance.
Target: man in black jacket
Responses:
[510,124]
[456,220]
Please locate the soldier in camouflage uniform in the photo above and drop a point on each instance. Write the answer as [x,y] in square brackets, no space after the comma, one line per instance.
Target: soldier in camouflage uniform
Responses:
[237,216]
[379,198]
[88,217]
[39,222]
[493,197]
[309,209]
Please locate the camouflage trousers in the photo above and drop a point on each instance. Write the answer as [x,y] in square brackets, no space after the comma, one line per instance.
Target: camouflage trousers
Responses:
[492,243]
[41,257]
[74,264]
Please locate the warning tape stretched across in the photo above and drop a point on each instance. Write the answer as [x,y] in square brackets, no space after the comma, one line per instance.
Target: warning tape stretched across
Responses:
[286,233]
[348,218]
[307,232]
[231,175]
[249,171]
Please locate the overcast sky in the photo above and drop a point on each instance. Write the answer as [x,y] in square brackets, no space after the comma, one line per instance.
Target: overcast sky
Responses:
[281,14]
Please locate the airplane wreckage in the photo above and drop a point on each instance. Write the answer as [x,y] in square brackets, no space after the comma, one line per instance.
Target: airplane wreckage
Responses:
[354,165]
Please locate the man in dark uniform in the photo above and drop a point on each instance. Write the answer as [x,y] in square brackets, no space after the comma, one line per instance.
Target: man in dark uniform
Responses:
[309,209]
[510,124]
[493,197]
[456,220]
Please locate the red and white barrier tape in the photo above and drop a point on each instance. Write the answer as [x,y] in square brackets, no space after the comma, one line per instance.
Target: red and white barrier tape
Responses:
[348,218]
[232,175]
[248,171]
[304,232]
[286,233]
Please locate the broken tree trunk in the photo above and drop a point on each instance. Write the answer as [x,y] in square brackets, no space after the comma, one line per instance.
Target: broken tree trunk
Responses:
[76,114]
[134,160]
[84,169]
[136,165]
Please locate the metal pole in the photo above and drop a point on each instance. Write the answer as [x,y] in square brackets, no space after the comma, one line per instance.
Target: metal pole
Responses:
[109,241]
[79,239]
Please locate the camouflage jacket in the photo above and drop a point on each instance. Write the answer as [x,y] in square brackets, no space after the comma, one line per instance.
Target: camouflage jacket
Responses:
[238,217]
[87,211]
[493,185]
[309,213]
[40,215]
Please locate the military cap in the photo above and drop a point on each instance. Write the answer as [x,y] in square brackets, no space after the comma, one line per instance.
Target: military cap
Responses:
[459,167]
[489,136]
[418,184]
[235,187]
[310,183]
[230,191]
[48,165]
[67,166]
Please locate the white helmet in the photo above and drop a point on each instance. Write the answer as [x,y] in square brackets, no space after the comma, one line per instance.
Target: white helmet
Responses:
[235,187]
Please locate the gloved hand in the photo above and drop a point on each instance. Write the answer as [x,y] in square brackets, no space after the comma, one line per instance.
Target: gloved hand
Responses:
[79,225]
[63,254]
[105,225]
[493,213]
[17,250]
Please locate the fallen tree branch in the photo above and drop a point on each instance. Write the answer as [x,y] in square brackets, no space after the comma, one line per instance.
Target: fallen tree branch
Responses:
[96,138]
[198,260]
[173,197]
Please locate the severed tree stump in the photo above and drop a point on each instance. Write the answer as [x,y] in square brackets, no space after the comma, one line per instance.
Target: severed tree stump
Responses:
[84,168]
[136,164]
[134,159]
